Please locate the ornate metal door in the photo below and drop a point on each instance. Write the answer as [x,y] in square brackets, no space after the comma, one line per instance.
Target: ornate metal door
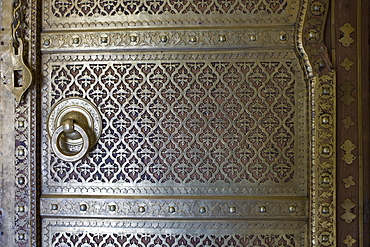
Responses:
[207,123]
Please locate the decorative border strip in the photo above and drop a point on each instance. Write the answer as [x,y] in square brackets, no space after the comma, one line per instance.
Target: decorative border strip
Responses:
[26,201]
[159,40]
[322,79]
[174,208]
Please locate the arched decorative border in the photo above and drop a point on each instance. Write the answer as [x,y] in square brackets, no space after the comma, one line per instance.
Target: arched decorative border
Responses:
[323,94]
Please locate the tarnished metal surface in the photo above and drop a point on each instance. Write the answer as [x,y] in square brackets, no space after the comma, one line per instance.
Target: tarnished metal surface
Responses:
[186,124]
[215,131]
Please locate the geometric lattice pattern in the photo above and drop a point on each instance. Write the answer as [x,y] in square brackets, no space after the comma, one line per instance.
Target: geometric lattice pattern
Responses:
[204,121]
[170,240]
[93,8]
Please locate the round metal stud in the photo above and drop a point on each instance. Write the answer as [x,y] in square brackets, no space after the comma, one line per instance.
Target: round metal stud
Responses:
[232,210]
[321,63]
[112,208]
[282,37]
[292,208]
[20,152]
[47,42]
[317,8]
[202,210]
[325,120]
[83,207]
[21,236]
[252,37]
[21,180]
[222,38]
[312,34]
[104,39]
[54,207]
[326,180]
[76,40]
[326,91]
[133,38]
[141,209]
[326,150]
[171,209]
[20,124]
[325,238]
[163,38]
[325,210]
[263,209]
[193,39]
[21,209]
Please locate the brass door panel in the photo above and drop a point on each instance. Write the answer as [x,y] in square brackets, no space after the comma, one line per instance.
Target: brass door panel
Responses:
[59,15]
[209,135]
[185,124]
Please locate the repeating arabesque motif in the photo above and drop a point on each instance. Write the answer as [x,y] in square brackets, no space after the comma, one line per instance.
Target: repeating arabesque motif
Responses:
[170,240]
[64,232]
[204,121]
[93,8]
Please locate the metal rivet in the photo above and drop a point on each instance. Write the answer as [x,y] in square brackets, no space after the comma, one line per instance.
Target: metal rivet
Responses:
[54,207]
[193,39]
[232,210]
[163,38]
[20,152]
[292,208]
[326,180]
[325,120]
[21,180]
[326,150]
[47,42]
[141,209]
[202,210]
[83,207]
[326,91]
[263,209]
[325,210]
[282,37]
[252,38]
[104,40]
[21,209]
[112,207]
[21,236]
[20,124]
[321,63]
[171,209]
[133,38]
[312,34]
[76,40]
[325,238]
[222,38]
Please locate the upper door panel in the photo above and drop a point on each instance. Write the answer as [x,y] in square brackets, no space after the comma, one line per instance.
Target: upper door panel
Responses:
[65,14]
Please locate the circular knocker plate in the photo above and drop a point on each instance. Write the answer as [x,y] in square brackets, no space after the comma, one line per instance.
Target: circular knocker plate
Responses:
[74,125]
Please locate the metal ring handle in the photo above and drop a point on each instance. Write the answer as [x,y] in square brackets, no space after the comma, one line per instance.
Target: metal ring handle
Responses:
[65,155]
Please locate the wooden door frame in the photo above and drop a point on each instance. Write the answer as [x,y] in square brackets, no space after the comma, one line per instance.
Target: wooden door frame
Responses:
[347,38]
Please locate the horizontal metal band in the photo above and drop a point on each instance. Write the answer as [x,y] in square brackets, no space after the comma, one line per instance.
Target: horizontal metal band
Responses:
[174,208]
